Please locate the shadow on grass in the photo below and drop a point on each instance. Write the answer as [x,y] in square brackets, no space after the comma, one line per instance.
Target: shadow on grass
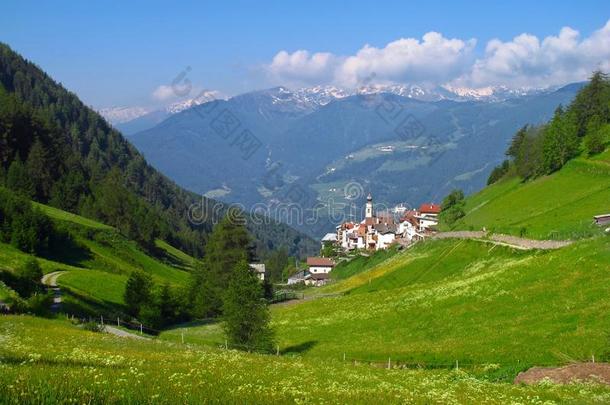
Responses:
[300,348]
[191,324]
[80,305]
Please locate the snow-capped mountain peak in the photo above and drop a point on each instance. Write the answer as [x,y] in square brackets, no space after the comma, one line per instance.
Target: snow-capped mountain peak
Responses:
[119,115]
[203,97]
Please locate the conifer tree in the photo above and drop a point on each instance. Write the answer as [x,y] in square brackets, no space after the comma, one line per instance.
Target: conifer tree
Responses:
[228,245]
[245,312]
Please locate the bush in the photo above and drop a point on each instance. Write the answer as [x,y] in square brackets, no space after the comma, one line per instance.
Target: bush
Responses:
[40,304]
[92,326]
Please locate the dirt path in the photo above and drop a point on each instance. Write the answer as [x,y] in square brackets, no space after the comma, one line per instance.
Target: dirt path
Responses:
[50,280]
[122,333]
[505,240]
[599,372]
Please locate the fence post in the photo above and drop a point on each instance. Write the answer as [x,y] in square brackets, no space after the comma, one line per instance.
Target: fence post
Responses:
[389,363]
[182,335]
[457,365]
[140,329]
[102,319]
[278,350]
[593,358]
[226,344]
[343,356]
[118,321]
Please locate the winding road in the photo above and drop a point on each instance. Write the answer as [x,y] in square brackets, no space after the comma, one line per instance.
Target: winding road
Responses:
[50,280]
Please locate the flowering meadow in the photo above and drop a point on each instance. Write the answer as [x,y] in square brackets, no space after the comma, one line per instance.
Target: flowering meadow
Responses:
[52,361]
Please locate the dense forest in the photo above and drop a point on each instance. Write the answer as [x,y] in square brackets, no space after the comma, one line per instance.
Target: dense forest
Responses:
[582,127]
[56,150]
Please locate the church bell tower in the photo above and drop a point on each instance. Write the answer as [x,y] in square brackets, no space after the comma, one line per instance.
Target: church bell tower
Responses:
[369,207]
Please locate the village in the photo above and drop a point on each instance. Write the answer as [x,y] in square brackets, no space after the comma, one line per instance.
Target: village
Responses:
[377,231]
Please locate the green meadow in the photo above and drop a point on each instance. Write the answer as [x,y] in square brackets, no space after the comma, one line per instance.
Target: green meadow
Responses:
[558,206]
[52,361]
[98,264]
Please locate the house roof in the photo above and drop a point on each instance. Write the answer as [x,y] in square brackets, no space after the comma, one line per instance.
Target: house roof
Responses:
[429,208]
[330,237]
[320,261]
[369,221]
[385,228]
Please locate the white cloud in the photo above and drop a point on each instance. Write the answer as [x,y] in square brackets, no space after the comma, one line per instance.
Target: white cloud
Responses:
[525,60]
[554,60]
[303,66]
[163,93]
[408,60]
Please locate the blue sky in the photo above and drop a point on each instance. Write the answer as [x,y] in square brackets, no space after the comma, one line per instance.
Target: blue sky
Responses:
[118,53]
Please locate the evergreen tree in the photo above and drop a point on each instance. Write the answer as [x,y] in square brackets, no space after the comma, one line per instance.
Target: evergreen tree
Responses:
[515,145]
[17,179]
[245,312]
[29,277]
[275,264]
[452,207]
[228,245]
[138,292]
[37,167]
[595,140]
[560,142]
[591,101]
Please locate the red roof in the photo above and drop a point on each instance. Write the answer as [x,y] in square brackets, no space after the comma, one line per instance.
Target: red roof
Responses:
[430,208]
[320,261]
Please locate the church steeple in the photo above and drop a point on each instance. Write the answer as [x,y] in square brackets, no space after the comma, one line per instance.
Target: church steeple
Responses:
[369,207]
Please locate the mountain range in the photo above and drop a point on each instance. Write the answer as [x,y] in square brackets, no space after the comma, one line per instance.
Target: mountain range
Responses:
[404,144]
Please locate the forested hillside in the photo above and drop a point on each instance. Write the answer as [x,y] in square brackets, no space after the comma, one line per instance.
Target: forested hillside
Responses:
[57,151]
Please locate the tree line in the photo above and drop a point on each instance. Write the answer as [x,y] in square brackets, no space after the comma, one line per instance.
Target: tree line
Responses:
[582,127]
[222,287]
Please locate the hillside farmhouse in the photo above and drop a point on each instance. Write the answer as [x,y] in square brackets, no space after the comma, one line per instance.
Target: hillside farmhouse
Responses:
[380,230]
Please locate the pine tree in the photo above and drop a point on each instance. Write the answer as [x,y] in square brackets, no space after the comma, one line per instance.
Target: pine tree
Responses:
[228,245]
[17,179]
[595,141]
[560,142]
[138,292]
[591,101]
[37,167]
[516,142]
[245,312]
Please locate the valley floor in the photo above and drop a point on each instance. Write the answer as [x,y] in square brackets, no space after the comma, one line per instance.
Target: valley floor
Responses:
[52,361]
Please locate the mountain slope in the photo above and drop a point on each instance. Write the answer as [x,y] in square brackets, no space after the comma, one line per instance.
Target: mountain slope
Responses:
[74,160]
[558,206]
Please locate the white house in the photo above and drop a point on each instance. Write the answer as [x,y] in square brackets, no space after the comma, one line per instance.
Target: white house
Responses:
[320,265]
[259,269]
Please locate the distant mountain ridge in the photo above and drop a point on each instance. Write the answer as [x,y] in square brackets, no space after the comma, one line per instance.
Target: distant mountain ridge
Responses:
[134,119]
[321,139]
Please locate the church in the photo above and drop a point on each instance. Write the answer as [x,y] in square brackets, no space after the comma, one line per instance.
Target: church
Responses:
[380,230]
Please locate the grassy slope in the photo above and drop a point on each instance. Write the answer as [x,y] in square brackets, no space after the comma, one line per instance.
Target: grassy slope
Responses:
[458,300]
[43,361]
[559,206]
[99,266]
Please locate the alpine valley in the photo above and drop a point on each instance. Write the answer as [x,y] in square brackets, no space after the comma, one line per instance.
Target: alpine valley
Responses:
[405,144]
